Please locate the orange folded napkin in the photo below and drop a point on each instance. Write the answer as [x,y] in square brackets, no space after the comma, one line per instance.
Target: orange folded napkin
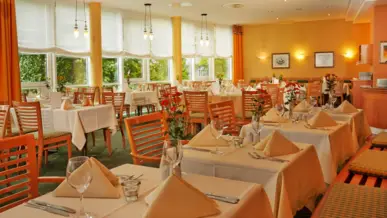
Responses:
[321,119]
[303,106]
[273,116]
[276,144]
[86,102]
[103,185]
[346,107]
[66,105]
[175,198]
[205,139]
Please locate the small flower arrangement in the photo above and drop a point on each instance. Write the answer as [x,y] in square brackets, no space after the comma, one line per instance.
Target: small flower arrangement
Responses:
[177,122]
[291,92]
[258,103]
[331,80]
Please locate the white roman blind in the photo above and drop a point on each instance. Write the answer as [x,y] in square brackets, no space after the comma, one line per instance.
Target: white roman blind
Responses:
[66,43]
[161,45]
[35,27]
[112,38]
[223,41]
[134,43]
[188,46]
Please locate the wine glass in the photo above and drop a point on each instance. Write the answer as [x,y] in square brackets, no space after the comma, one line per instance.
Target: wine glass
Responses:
[217,128]
[313,101]
[80,180]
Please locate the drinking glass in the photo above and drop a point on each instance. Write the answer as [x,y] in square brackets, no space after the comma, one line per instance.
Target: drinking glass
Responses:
[217,128]
[313,101]
[81,180]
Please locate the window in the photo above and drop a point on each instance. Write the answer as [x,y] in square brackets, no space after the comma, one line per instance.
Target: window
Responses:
[187,68]
[158,70]
[71,71]
[109,70]
[32,67]
[222,65]
[202,69]
[134,66]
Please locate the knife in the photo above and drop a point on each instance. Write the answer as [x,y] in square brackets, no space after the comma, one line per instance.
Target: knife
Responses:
[48,209]
[226,199]
[57,207]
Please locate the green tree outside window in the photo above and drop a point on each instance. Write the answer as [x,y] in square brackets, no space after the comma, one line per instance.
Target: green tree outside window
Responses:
[186,71]
[70,71]
[158,70]
[109,70]
[221,66]
[134,65]
[202,67]
[32,67]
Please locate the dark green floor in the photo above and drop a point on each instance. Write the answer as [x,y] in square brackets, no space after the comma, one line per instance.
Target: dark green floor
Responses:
[57,161]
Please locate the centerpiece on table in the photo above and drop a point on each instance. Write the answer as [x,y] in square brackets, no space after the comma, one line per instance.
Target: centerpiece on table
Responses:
[257,113]
[331,81]
[220,76]
[292,90]
[177,132]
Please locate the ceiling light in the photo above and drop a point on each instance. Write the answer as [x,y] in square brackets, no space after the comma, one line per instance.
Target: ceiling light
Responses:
[180,4]
[277,18]
[76,29]
[205,42]
[234,5]
[148,33]
[329,15]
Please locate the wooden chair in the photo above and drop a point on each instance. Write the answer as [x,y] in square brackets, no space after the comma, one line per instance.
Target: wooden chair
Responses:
[248,105]
[90,96]
[107,89]
[24,97]
[280,99]
[314,90]
[272,90]
[225,111]
[146,135]
[20,172]
[117,100]
[5,122]
[29,118]
[268,104]
[196,104]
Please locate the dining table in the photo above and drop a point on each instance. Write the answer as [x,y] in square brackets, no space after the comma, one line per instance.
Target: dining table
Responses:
[334,145]
[291,184]
[253,201]
[137,98]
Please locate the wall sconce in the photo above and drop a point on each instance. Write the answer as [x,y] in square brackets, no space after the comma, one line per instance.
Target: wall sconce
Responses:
[262,56]
[300,55]
[349,54]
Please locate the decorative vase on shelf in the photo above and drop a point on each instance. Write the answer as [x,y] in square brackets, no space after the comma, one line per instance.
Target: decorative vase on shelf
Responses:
[172,155]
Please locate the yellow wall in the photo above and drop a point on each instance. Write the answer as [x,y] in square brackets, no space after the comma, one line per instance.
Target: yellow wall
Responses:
[306,37]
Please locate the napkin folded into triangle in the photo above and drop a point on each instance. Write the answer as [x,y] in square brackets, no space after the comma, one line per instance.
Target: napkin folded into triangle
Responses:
[346,107]
[66,105]
[276,144]
[103,185]
[206,139]
[321,119]
[303,106]
[273,116]
[187,201]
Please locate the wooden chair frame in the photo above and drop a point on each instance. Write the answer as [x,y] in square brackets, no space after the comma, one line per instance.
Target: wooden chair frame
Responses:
[196,102]
[29,115]
[142,128]
[314,90]
[225,111]
[5,122]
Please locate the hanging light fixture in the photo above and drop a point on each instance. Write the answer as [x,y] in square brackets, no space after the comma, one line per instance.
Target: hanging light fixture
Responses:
[206,41]
[76,29]
[148,33]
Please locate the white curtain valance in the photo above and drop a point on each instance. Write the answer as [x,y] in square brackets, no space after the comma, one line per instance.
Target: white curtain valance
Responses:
[112,38]
[223,41]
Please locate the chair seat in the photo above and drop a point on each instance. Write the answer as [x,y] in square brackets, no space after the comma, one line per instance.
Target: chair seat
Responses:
[197,115]
[380,140]
[49,134]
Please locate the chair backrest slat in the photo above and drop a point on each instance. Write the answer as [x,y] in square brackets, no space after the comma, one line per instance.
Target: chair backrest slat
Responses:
[196,102]
[5,122]
[248,103]
[29,117]
[146,137]
[272,90]
[20,171]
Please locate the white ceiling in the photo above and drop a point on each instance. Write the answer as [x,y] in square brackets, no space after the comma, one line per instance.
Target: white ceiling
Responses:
[255,11]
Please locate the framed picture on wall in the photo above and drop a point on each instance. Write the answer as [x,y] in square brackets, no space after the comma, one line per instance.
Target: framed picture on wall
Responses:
[383,52]
[280,60]
[324,59]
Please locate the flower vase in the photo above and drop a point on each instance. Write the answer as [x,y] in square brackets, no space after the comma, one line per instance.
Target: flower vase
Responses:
[171,157]
[291,107]
[330,100]
[255,119]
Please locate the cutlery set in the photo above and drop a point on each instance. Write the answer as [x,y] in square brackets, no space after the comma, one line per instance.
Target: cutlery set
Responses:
[255,155]
[226,199]
[308,126]
[51,208]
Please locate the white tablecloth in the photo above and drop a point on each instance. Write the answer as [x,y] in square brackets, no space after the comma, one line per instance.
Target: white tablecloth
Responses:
[46,118]
[83,120]
[137,98]
[290,186]
[333,147]
[253,200]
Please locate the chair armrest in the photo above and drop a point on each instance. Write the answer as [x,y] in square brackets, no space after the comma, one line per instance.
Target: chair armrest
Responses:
[51,179]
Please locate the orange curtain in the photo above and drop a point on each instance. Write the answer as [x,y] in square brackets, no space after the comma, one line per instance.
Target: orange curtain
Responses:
[10,87]
[238,53]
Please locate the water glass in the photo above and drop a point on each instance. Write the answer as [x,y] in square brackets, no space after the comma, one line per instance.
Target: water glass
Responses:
[131,189]
[217,128]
